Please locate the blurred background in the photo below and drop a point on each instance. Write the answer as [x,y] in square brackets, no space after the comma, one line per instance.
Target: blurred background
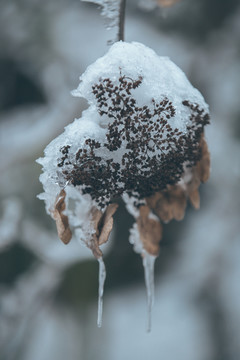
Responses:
[48,291]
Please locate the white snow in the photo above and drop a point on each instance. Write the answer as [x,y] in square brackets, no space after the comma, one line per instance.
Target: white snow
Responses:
[161,78]
[135,240]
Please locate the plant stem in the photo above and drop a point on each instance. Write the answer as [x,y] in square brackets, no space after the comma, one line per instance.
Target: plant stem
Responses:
[121,20]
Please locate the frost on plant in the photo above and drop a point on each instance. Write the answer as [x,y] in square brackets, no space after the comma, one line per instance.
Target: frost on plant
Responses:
[140,139]
[110,10]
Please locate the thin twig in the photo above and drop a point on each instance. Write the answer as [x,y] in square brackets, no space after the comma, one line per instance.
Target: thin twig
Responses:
[121,20]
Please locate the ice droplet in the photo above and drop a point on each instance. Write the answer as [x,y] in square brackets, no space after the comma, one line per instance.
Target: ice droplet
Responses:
[148,264]
[101,280]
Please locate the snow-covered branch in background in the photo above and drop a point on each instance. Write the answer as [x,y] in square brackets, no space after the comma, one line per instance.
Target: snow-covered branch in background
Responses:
[110,10]
[9,222]
[114,12]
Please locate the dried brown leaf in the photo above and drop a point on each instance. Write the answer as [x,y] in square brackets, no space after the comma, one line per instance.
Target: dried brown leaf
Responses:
[203,166]
[194,198]
[179,203]
[61,219]
[192,188]
[103,224]
[169,204]
[106,223]
[200,173]
[150,231]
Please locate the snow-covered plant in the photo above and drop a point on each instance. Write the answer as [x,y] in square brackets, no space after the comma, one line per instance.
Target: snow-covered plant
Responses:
[142,140]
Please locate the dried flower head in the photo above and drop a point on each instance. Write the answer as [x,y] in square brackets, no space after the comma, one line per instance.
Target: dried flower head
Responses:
[140,139]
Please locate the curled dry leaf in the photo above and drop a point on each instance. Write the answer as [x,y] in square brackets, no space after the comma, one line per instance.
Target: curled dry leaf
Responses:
[203,166]
[150,231]
[171,203]
[103,224]
[62,223]
[200,174]
[166,3]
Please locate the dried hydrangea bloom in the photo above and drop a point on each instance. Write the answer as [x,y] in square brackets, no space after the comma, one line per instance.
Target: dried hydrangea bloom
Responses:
[140,139]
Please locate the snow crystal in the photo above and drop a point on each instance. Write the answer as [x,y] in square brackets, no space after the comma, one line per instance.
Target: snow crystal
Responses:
[135,240]
[130,202]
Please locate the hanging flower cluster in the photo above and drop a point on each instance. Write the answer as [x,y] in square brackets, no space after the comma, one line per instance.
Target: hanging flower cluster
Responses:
[142,139]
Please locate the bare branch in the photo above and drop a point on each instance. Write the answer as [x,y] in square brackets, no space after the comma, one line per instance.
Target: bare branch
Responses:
[122,8]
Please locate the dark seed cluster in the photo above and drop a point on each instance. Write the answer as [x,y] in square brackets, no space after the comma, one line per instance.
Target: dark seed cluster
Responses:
[64,151]
[154,155]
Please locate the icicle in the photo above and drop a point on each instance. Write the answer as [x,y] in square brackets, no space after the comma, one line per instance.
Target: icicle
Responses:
[148,263]
[101,280]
